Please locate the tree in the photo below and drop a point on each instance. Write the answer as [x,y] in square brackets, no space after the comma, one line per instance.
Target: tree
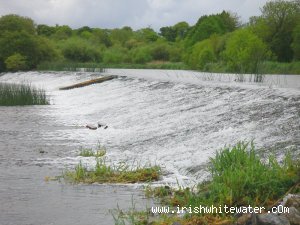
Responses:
[181,29]
[120,36]
[275,26]
[245,51]
[169,33]
[296,42]
[147,35]
[202,54]
[160,51]
[15,23]
[178,31]
[209,25]
[16,62]
[101,37]
[141,55]
[62,32]
[115,55]
[22,43]
[79,50]
[45,30]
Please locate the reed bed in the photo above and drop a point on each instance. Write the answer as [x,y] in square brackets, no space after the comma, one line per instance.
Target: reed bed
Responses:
[21,94]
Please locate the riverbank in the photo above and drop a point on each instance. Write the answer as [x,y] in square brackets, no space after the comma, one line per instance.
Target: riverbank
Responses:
[241,180]
[267,67]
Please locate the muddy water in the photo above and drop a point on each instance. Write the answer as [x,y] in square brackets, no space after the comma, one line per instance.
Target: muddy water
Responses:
[176,119]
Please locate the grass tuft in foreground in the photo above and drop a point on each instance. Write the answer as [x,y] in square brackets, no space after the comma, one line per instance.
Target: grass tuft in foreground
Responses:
[104,173]
[21,94]
[238,178]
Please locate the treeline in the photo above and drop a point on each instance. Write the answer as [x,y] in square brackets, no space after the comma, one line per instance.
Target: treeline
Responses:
[216,42]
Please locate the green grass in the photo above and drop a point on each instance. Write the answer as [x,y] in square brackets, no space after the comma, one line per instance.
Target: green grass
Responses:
[89,152]
[21,94]
[239,177]
[104,173]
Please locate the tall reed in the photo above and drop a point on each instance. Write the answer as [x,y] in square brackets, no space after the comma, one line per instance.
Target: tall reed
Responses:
[21,94]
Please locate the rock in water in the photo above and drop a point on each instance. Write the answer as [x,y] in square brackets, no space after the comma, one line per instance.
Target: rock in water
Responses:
[102,125]
[293,216]
[271,219]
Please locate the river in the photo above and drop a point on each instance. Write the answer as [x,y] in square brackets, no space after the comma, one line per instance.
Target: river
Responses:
[175,119]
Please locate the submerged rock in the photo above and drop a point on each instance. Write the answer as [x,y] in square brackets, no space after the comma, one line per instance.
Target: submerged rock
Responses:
[293,216]
[292,201]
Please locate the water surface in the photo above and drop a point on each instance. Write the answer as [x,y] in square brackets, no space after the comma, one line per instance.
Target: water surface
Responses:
[176,119]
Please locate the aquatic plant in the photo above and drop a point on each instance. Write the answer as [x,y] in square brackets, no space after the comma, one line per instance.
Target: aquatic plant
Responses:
[21,94]
[104,173]
[88,152]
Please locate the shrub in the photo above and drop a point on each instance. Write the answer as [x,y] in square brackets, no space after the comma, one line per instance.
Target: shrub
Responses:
[245,52]
[141,55]
[160,52]
[81,51]
[115,55]
[16,62]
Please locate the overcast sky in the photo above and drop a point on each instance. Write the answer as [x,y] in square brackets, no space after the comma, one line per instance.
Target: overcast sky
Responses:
[118,13]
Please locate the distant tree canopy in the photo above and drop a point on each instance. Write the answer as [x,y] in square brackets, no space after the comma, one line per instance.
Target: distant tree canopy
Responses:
[215,41]
[176,32]
[15,23]
[276,26]
[20,46]
[209,25]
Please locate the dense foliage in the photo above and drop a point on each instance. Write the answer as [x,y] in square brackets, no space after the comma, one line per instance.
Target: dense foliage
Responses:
[216,42]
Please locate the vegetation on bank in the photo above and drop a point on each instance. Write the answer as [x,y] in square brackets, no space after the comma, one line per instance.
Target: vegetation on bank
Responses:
[217,42]
[104,173]
[239,177]
[99,67]
[21,94]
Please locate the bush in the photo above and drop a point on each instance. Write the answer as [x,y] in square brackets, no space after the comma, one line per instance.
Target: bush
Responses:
[16,62]
[160,52]
[81,51]
[245,52]
[201,55]
[141,55]
[115,55]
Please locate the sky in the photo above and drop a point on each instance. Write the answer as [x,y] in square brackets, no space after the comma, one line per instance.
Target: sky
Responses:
[119,13]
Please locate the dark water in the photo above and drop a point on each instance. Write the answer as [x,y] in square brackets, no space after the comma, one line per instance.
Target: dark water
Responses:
[176,119]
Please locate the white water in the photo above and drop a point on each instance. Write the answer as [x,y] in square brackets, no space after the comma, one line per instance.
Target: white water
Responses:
[177,125]
[175,119]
